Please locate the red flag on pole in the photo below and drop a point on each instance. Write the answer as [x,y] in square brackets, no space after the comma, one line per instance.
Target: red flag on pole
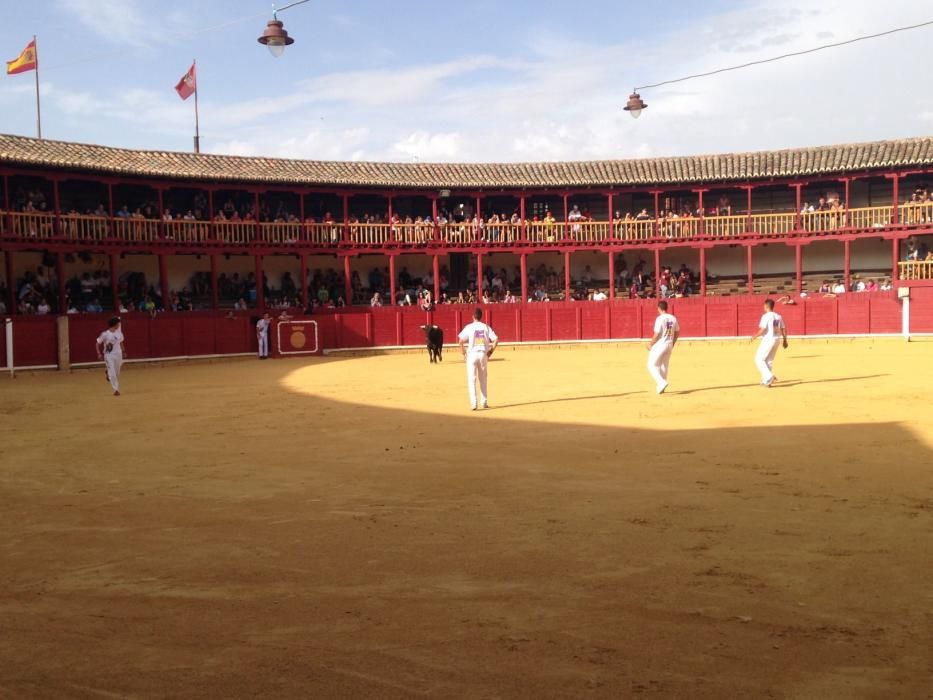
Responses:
[188,85]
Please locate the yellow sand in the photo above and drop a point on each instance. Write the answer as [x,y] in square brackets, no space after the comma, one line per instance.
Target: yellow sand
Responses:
[347,528]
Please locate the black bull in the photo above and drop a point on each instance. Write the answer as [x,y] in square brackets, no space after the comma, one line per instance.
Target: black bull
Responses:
[435,340]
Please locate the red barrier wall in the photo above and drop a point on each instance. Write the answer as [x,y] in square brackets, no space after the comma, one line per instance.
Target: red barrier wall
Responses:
[198,334]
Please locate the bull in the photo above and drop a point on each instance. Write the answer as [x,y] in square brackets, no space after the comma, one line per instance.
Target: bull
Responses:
[434,335]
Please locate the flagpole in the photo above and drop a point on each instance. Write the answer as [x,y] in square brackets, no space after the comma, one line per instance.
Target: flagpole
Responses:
[38,106]
[197,128]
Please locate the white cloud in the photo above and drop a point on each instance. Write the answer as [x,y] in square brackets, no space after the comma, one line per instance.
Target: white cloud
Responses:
[563,98]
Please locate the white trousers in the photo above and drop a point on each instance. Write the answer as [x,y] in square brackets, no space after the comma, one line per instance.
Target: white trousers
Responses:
[264,344]
[477,365]
[764,358]
[659,358]
[113,361]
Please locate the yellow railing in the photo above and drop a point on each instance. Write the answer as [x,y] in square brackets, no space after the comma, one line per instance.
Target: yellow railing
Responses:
[32,224]
[823,220]
[871,217]
[186,231]
[280,233]
[916,270]
[234,232]
[135,229]
[80,227]
[725,226]
[369,234]
[772,224]
[635,229]
[679,228]
[589,231]
[85,228]
[324,234]
[914,213]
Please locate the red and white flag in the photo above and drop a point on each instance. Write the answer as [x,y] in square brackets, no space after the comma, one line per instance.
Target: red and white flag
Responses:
[188,85]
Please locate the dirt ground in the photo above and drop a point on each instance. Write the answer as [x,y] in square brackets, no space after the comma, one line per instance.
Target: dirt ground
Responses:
[347,528]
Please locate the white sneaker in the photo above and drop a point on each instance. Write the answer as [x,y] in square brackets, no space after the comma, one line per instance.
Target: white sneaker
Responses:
[485,405]
[662,388]
[472,408]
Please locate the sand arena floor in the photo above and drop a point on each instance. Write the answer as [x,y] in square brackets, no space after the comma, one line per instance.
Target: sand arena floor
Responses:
[346,528]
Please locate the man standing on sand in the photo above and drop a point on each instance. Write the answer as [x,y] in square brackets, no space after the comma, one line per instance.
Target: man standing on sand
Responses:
[110,349]
[666,333]
[772,332]
[477,342]
[263,326]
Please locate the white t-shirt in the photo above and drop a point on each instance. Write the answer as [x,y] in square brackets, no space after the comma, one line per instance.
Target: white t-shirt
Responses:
[110,340]
[666,326]
[600,296]
[262,326]
[772,323]
[478,336]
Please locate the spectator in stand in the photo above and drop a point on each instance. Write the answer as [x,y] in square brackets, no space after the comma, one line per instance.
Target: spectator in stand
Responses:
[871,286]
[858,285]
[600,295]
[376,300]
[839,288]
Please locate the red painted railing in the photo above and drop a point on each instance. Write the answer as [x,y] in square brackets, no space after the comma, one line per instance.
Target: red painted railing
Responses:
[198,334]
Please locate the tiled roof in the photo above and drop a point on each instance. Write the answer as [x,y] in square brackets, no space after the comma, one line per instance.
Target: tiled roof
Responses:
[803,162]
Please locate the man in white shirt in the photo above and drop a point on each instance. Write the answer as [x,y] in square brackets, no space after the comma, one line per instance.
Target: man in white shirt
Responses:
[110,349]
[263,326]
[772,332]
[477,342]
[666,333]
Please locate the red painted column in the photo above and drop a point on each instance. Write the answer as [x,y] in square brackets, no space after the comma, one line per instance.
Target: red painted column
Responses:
[612,227]
[347,281]
[60,279]
[748,208]
[612,274]
[437,277]
[566,275]
[436,233]
[257,231]
[702,272]
[114,286]
[210,215]
[479,276]
[657,271]
[521,215]
[847,256]
[260,286]
[895,258]
[304,280]
[751,276]
[112,227]
[346,218]
[161,193]
[798,267]
[10,282]
[163,281]
[215,290]
[479,214]
[392,280]
[847,180]
[657,207]
[57,207]
[798,223]
[702,213]
[566,235]
[523,258]
[391,236]
[896,196]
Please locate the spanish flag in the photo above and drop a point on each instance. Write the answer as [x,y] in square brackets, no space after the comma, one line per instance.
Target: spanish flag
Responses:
[26,61]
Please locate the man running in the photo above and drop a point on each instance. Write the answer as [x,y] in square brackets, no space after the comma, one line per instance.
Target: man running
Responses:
[477,342]
[772,332]
[110,349]
[666,333]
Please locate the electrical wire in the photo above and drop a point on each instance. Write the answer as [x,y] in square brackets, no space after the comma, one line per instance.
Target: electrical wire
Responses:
[787,55]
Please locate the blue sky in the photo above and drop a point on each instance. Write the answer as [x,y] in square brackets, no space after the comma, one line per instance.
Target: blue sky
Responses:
[481,80]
